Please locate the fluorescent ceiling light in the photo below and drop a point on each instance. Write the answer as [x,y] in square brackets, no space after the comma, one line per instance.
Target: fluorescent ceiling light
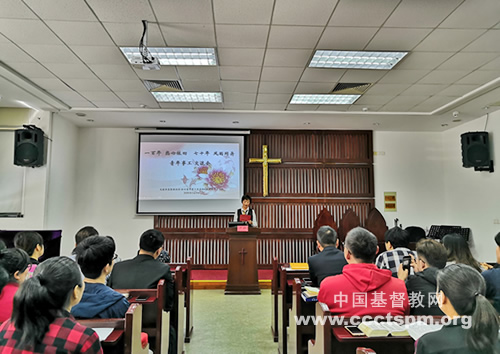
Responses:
[324,99]
[355,60]
[210,97]
[174,56]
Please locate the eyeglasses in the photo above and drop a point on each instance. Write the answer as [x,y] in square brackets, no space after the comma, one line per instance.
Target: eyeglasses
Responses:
[115,256]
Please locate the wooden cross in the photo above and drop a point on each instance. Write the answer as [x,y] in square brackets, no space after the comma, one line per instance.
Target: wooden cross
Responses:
[264,161]
[243,252]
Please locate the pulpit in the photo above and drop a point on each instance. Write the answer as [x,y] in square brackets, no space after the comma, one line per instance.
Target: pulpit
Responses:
[242,274]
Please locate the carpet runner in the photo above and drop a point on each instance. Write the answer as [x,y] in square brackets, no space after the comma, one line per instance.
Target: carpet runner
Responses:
[216,278]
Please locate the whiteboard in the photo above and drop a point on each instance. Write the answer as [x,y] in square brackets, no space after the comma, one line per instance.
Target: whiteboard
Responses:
[11,176]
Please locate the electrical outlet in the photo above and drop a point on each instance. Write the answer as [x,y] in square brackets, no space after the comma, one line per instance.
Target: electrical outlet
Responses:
[496,221]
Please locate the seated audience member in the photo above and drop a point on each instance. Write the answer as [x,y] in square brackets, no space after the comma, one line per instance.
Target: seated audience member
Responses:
[41,320]
[421,287]
[459,251]
[32,243]
[13,269]
[143,271]
[396,245]
[81,235]
[474,326]
[492,277]
[362,288]
[330,260]
[95,257]
[84,232]
[164,257]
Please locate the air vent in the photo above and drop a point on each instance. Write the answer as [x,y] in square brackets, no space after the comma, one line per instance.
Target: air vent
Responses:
[350,88]
[163,85]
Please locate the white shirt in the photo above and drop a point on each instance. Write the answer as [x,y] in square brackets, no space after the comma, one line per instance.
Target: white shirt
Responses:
[244,212]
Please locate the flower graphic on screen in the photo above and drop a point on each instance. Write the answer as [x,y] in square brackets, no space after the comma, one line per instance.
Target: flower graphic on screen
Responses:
[207,178]
[202,170]
[218,179]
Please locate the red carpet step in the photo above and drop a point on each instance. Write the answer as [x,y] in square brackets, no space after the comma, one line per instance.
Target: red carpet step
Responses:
[216,279]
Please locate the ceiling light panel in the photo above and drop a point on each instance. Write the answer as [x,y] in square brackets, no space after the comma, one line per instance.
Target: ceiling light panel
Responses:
[175,56]
[324,99]
[209,97]
[356,60]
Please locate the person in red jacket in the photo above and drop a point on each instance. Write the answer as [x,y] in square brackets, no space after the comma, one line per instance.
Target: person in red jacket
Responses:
[362,288]
[13,270]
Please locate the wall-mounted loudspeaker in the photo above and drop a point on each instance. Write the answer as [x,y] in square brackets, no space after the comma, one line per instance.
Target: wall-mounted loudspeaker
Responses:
[29,147]
[476,151]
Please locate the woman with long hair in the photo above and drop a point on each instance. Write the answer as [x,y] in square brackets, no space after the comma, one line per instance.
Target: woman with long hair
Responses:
[459,251]
[13,269]
[41,320]
[474,323]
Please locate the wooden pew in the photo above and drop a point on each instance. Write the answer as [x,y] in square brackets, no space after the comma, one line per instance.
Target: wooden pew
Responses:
[177,312]
[336,339]
[126,336]
[155,319]
[298,336]
[188,296]
[286,276]
[275,291]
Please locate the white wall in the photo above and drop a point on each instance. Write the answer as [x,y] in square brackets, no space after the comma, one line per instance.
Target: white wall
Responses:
[91,177]
[35,189]
[62,177]
[472,199]
[106,187]
[410,164]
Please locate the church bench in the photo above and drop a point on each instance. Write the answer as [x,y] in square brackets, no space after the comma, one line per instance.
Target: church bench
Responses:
[285,304]
[126,335]
[299,335]
[275,291]
[188,296]
[336,339]
[156,318]
[177,313]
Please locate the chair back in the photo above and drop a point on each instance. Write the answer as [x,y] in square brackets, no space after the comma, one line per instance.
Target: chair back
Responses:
[155,318]
[126,334]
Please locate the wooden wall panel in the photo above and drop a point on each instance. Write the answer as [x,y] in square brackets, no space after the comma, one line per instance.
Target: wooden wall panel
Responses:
[330,170]
[213,252]
[304,146]
[299,215]
[192,223]
[273,215]
[306,180]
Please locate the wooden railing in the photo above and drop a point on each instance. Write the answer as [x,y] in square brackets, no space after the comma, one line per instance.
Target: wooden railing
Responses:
[286,226]
[214,252]
[276,215]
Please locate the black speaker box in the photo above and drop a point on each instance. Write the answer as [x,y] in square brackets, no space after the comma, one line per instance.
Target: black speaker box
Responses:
[29,148]
[476,150]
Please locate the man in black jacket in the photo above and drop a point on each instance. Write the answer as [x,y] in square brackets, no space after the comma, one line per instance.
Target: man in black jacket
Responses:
[431,256]
[144,272]
[330,260]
